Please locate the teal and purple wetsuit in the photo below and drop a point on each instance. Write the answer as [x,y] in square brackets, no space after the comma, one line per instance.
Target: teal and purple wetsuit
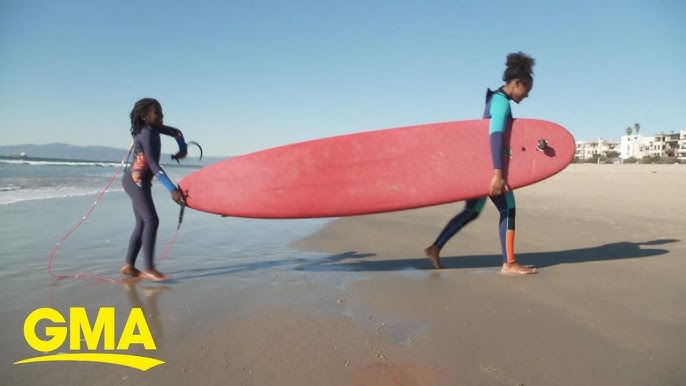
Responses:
[498,111]
[137,182]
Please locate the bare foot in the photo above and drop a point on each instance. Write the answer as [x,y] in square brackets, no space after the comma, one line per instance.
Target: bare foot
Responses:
[154,275]
[516,268]
[129,270]
[432,253]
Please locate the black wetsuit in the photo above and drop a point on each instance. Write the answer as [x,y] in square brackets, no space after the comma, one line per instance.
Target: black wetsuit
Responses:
[137,182]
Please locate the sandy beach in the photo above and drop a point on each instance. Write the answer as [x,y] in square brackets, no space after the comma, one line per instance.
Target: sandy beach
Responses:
[608,306]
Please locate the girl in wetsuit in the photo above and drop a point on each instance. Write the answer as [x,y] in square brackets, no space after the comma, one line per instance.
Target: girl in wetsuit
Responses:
[146,127]
[518,83]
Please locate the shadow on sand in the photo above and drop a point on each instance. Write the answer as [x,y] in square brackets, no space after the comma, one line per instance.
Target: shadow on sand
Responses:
[607,252]
[353,261]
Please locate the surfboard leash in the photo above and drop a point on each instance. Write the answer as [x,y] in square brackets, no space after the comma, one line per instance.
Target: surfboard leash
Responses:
[122,164]
[178,159]
[176,232]
[78,223]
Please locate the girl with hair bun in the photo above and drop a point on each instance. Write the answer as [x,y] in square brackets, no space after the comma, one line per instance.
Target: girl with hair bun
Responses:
[518,78]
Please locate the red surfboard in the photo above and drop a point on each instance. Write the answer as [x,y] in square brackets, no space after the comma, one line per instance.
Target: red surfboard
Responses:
[377,171]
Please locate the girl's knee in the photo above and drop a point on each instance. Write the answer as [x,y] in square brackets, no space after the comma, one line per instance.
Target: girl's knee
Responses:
[152,220]
[472,214]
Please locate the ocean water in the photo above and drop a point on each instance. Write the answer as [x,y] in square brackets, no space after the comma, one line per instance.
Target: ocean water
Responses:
[41,179]
[41,200]
[221,268]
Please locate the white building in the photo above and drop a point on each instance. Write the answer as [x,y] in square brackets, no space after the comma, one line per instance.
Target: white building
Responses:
[659,145]
[632,146]
[599,147]
[681,151]
[637,146]
[664,145]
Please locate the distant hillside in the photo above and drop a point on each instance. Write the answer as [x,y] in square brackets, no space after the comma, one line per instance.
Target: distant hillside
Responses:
[86,153]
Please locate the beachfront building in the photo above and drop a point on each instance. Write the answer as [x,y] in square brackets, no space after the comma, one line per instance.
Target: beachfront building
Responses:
[633,146]
[659,145]
[637,146]
[681,150]
[664,145]
[599,148]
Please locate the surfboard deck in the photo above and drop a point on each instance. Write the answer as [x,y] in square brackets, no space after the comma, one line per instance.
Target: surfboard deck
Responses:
[376,171]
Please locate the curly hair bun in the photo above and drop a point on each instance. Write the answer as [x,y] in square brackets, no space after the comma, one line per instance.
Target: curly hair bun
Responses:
[519,66]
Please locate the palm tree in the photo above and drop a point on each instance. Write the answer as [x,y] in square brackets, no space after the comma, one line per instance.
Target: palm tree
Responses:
[628,130]
[637,128]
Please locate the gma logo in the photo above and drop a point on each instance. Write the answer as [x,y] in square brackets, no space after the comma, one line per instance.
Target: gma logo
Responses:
[135,332]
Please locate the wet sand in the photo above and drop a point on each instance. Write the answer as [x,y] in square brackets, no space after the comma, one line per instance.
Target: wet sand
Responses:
[607,307]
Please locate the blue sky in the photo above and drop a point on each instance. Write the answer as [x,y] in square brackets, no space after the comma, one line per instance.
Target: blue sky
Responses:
[239,76]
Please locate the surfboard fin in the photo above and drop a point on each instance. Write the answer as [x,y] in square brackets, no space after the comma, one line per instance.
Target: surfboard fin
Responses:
[542,145]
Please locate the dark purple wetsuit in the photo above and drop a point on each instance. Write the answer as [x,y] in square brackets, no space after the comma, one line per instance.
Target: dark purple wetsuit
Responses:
[137,182]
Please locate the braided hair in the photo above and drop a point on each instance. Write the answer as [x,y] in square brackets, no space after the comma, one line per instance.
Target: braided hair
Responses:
[519,67]
[141,107]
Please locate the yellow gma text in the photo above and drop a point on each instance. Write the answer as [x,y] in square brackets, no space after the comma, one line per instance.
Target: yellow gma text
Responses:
[58,330]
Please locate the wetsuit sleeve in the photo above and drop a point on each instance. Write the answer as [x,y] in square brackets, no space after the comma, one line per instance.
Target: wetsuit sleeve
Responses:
[500,111]
[153,164]
[162,176]
[176,134]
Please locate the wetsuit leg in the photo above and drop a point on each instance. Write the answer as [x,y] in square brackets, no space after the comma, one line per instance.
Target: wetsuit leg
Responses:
[506,206]
[471,211]
[145,232]
[135,241]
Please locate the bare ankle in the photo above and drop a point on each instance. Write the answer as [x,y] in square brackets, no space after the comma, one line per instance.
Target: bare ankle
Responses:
[432,252]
